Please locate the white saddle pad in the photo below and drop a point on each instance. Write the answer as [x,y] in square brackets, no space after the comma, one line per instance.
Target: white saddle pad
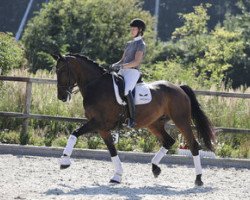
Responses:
[142,94]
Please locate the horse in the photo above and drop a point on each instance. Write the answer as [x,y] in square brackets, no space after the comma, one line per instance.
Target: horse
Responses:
[169,102]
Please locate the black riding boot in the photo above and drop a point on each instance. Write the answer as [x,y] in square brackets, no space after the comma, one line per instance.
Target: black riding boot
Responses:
[131,109]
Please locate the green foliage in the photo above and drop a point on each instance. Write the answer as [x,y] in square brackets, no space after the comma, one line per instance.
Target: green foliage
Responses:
[44,101]
[11,53]
[240,72]
[81,143]
[195,23]
[93,142]
[96,28]
[223,47]
[224,150]
[36,140]
[206,56]
[171,71]
[231,145]
[125,144]
[147,144]
[10,137]
[60,142]
[227,112]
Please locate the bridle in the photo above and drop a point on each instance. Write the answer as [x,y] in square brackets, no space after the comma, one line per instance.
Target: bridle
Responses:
[70,86]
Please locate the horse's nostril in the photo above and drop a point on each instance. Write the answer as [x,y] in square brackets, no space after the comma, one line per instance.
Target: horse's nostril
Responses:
[60,97]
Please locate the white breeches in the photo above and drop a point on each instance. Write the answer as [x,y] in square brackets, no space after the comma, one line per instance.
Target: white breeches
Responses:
[131,77]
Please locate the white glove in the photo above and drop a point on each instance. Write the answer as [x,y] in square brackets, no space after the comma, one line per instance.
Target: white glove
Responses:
[116,67]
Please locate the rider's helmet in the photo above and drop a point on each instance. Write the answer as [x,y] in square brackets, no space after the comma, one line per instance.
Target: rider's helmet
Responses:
[139,23]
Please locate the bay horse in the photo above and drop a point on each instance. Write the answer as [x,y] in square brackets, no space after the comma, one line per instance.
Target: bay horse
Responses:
[169,102]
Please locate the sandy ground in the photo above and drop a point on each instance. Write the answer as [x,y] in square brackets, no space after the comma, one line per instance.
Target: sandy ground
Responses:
[25,177]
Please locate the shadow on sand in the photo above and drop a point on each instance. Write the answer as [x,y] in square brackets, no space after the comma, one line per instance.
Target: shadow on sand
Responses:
[128,192]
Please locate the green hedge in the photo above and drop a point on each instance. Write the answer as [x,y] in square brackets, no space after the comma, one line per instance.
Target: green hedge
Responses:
[11,53]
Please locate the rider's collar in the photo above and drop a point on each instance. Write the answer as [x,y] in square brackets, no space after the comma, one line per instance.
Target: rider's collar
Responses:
[137,38]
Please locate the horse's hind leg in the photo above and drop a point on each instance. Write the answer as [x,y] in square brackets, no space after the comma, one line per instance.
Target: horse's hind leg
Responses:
[194,147]
[157,128]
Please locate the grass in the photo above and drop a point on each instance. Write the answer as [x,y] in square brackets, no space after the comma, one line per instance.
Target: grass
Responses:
[223,112]
[227,112]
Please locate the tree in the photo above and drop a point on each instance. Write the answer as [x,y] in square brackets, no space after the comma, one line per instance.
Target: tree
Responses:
[210,54]
[96,28]
[195,23]
[240,72]
[11,53]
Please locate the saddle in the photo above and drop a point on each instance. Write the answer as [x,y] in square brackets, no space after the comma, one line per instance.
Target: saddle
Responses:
[141,92]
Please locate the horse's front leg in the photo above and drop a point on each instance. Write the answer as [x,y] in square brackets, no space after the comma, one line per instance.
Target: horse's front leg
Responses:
[117,177]
[90,126]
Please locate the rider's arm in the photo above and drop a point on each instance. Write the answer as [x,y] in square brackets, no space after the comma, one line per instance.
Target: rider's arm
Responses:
[136,62]
[120,61]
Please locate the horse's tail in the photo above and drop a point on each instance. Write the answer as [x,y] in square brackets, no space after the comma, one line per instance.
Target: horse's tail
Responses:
[203,125]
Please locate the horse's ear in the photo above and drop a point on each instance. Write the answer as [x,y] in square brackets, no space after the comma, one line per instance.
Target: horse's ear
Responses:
[55,56]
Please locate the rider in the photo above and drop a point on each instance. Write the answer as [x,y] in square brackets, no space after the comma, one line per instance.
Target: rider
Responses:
[129,65]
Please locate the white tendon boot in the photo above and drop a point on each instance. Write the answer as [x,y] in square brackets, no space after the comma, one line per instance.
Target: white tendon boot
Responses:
[156,160]
[197,165]
[159,155]
[65,159]
[117,178]
[198,170]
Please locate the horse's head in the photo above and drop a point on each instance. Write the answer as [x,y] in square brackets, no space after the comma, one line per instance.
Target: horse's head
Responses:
[65,78]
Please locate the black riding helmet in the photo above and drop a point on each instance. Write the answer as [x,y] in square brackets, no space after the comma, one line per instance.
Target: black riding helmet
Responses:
[139,23]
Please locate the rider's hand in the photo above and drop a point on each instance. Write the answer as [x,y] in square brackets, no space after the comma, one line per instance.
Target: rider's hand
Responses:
[116,67]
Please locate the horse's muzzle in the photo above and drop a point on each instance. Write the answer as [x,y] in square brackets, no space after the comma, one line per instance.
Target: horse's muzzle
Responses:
[64,95]
[64,98]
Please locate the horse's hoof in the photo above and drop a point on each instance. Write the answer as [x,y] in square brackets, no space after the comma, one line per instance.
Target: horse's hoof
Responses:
[114,181]
[117,178]
[64,162]
[156,170]
[64,166]
[198,181]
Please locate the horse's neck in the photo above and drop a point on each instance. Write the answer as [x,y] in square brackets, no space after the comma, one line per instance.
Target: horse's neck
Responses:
[86,73]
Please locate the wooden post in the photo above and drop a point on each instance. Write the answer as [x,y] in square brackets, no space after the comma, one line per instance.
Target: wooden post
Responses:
[24,136]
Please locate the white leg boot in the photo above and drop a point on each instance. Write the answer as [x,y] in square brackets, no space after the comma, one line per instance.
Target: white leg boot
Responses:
[198,170]
[156,160]
[159,155]
[117,178]
[197,165]
[65,159]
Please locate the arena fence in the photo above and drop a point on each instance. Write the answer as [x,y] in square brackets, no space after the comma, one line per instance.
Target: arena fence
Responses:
[26,115]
